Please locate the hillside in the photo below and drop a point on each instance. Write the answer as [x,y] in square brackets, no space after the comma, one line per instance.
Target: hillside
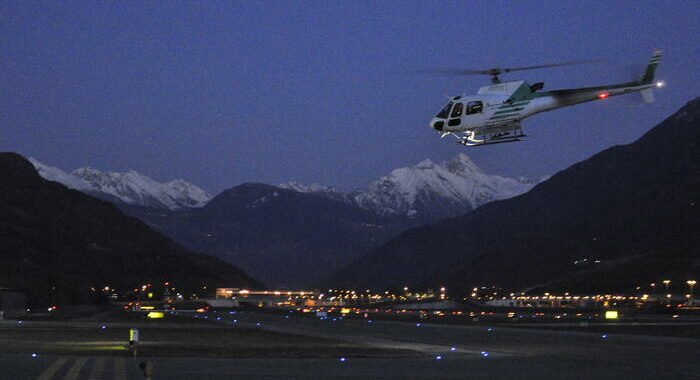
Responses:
[282,237]
[57,243]
[625,217]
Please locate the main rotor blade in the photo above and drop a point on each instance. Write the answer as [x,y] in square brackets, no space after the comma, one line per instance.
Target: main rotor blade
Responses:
[497,70]
[569,63]
[449,72]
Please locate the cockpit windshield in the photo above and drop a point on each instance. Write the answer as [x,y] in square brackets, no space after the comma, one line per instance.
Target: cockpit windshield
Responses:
[445,111]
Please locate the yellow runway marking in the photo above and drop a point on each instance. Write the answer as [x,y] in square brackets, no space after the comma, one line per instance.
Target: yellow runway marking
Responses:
[74,371]
[52,369]
[97,369]
[119,369]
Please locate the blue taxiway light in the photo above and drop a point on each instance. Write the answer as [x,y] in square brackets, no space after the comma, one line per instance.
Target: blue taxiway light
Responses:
[417,324]
[104,327]
[604,336]
[453,349]
[343,360]
[484,353]
[439,357]
[489,329]
[370,321]
[258,324]
[33,355]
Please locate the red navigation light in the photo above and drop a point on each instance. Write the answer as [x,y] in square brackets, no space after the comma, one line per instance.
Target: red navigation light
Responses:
[603,95]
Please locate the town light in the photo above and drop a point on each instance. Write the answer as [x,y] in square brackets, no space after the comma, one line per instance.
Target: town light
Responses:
[611,314]
[666,284]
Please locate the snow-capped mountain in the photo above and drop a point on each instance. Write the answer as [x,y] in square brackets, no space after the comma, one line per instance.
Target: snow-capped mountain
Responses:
[58,175]
[315,188]
[130,187]
[429,190]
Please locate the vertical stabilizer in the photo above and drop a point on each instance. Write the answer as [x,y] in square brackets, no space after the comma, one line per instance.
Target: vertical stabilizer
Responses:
[648,77]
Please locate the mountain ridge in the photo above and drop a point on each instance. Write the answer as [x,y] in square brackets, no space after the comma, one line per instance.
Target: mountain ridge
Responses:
[282,237]
[57,243]
[129,187]
[427,190]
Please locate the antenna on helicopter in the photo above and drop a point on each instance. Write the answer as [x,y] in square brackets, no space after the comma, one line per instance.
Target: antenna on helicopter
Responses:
[496,71]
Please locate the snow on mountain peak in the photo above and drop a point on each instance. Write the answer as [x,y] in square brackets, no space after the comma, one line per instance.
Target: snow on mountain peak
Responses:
[189,194]
[433,191]
[133,187]
[301,188]
[130,187]
[58,175]
[425,164]
[462,164]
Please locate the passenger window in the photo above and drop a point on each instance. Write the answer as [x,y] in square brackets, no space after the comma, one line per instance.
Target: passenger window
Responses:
[475,107]
[457,111]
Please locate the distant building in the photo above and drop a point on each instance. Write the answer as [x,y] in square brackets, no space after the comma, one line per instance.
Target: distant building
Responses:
[269,297]
[569,301]
[13,304]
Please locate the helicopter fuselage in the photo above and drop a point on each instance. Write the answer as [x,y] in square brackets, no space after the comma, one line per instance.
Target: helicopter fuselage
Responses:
[495,113]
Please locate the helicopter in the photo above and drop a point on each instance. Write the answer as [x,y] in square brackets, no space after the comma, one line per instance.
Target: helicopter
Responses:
[494,115]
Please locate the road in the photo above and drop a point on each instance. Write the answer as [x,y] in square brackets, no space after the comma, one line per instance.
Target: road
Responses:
[513,353]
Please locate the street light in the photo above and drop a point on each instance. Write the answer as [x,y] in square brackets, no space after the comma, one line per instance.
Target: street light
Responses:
[691,283]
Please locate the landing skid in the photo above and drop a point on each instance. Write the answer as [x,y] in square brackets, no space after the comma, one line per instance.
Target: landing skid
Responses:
[471,139]
[491,142]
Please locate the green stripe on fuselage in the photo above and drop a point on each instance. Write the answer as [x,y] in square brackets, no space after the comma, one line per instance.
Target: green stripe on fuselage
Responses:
[515,104]
[507,110]
[503,116]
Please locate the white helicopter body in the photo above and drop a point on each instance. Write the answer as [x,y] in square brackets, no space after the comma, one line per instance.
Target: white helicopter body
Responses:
[495,113]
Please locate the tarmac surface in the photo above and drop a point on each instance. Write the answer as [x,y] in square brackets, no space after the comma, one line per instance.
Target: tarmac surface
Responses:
[442,352]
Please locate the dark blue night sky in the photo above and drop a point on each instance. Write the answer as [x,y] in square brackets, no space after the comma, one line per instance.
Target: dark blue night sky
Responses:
[221,93]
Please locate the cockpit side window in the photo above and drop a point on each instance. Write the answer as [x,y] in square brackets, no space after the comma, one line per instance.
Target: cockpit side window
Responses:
[457,111]
[445,111]
[475,107]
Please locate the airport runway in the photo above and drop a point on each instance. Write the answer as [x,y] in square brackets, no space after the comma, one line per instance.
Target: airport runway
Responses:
[513,353]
